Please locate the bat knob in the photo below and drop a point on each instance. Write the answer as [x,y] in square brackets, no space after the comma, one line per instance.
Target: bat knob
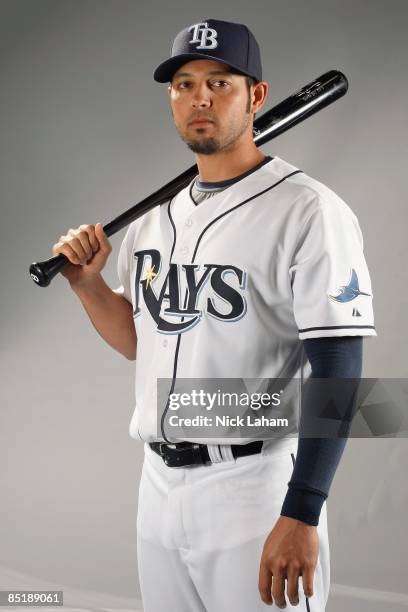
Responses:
[43,272]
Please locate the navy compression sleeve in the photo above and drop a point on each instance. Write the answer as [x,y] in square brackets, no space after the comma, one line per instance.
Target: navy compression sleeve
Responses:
[317,458]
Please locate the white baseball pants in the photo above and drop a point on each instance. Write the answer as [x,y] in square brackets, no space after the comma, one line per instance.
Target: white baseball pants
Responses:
[201,530]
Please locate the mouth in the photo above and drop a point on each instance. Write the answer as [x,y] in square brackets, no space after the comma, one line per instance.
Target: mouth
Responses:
[201,122]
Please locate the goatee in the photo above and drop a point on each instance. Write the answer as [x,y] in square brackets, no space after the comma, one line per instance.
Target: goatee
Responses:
[209,146]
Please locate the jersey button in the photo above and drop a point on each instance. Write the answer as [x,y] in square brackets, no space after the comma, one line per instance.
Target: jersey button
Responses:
[184,250]
[189,222]
[165,343]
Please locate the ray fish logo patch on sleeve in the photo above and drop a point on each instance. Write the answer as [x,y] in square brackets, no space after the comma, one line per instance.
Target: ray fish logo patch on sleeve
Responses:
[349,292]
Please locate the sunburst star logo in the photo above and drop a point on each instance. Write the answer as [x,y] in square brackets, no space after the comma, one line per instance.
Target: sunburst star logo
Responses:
[150,275]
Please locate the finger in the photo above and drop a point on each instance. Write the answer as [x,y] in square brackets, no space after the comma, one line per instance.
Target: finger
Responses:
[65,249]
[307,579]
[80,243]
[278,589]
[93,241]
[102,238]
[265,584]
[76,246]
[293,585]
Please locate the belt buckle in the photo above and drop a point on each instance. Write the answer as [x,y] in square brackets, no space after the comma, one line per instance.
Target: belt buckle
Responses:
[174,456]
[161,445]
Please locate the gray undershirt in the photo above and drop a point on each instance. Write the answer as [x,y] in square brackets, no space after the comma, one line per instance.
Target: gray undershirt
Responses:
[201,190]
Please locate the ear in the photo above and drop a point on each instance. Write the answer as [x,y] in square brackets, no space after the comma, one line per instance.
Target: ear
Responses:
[260,93]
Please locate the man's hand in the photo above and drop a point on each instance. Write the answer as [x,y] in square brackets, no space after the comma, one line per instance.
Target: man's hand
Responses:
[87,248]
[291,550]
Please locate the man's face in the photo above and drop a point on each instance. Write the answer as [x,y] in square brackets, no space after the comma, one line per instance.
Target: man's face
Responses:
[205,89]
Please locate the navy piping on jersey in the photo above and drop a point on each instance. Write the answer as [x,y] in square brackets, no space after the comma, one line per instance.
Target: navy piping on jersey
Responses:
[307,329]
[177,347]
[173,382]
[174,230]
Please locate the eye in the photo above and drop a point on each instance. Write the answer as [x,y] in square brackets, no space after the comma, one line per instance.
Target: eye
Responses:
[222,83]
[183,84]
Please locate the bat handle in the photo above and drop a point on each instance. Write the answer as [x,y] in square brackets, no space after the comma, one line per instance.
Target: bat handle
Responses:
[43,272]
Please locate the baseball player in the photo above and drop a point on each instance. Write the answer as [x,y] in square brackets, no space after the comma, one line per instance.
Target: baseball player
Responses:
[255,270]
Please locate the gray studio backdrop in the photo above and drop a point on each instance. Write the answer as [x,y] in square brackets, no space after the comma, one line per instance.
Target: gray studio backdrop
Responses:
[84,133]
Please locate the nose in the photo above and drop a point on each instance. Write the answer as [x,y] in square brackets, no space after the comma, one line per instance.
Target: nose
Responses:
[201,97]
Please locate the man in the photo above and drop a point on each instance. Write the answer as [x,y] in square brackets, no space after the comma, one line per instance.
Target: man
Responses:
[254,271]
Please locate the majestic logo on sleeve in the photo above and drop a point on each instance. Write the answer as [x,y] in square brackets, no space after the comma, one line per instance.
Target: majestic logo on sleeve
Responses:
[350,291]
[183,304]
[203,36]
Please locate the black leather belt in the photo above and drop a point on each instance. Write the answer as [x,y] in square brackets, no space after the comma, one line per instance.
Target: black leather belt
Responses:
[188,454]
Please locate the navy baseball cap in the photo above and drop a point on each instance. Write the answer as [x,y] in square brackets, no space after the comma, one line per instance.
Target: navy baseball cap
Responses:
[230,43]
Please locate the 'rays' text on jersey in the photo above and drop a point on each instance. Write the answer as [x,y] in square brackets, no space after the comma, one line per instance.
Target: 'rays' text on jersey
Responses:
[195,278]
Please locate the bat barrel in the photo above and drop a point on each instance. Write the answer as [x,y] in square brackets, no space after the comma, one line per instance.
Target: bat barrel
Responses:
[312,98]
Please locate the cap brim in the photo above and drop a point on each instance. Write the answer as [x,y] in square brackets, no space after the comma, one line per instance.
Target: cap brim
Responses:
[165,71]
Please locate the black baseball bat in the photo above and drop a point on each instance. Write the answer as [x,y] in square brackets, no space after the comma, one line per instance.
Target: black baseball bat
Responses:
[309,100]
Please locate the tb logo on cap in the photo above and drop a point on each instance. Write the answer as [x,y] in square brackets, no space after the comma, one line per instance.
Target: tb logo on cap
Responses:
[208,36]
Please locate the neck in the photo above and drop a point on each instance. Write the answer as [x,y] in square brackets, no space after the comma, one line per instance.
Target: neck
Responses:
[228,164]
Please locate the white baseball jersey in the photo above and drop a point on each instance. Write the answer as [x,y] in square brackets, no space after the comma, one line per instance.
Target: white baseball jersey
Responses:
[228,288]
